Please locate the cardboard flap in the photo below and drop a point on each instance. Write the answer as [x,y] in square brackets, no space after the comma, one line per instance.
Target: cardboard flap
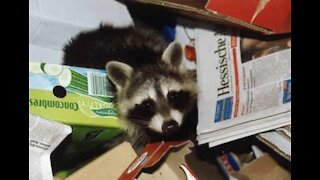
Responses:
[107,166]
[273,18]
[270,14]
[151,154]
[264,168]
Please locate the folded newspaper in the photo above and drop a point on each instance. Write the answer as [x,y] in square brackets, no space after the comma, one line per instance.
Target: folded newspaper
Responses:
[44,136]
[244,85]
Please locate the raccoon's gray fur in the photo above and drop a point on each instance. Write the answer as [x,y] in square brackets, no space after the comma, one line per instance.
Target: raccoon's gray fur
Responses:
[156,94]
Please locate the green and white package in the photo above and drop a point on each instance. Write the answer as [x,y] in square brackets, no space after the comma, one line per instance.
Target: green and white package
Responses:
[80,97]
[72,95]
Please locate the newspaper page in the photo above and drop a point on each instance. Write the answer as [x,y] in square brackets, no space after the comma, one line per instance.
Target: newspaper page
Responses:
[244,85]
[44,137]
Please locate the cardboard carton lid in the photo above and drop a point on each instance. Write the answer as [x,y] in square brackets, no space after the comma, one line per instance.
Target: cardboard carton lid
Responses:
[111,164]
[264,23]
[269,14]
[107,166]
[263,168]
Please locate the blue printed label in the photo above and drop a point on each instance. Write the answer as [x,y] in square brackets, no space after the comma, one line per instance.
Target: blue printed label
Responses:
[286,91]
[224,109]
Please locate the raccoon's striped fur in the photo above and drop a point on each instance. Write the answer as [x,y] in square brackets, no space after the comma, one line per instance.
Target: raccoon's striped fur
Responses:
[156,94]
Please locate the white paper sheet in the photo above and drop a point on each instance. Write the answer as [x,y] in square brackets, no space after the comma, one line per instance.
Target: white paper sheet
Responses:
[44,137]
[53,22]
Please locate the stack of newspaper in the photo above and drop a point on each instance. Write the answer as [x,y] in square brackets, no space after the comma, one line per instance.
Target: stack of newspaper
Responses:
[244,84]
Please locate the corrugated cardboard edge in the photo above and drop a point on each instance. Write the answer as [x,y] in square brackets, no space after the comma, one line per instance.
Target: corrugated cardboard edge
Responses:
[283,134]
[275,148]
[210,15]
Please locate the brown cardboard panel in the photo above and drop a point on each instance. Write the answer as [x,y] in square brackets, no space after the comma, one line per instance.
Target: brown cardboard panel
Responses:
[264,168]
[170,168]
[203,169]
[111,164]
[149,157]
[164,172]
[107,166]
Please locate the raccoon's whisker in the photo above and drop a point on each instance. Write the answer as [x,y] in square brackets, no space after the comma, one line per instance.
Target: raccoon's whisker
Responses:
[142,124]
[187,113]
[186,116]
[187,110]
[136,117]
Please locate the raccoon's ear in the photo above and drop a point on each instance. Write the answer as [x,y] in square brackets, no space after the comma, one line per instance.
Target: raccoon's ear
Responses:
[119,73]
[173,55]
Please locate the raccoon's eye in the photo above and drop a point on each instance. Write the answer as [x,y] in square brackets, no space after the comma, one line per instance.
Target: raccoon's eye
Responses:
[178,99]
[147,105]
[146,108]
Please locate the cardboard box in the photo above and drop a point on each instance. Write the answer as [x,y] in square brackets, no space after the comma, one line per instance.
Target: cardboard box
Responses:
[273,15]
[78,97]
[113,163]
[263,168]
[72,95]
[264,23]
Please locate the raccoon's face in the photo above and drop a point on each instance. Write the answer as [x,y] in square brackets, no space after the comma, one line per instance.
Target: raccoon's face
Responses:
[156,97]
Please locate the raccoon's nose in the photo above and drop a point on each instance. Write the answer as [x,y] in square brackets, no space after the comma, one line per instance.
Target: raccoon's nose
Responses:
[170,126]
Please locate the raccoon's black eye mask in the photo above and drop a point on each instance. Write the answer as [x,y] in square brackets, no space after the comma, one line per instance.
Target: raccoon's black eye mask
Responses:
[144,110]
[178,99]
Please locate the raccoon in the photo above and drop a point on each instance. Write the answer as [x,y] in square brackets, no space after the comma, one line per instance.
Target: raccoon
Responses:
[155,94]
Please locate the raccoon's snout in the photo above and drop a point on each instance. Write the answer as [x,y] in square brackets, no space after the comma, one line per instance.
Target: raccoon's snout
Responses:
[170,126]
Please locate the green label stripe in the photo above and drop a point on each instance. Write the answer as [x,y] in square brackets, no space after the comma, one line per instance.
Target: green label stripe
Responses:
[73,109]
[106,99]
[77,85]
[81,82]
[77,89]
[105,112]
[78,75]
